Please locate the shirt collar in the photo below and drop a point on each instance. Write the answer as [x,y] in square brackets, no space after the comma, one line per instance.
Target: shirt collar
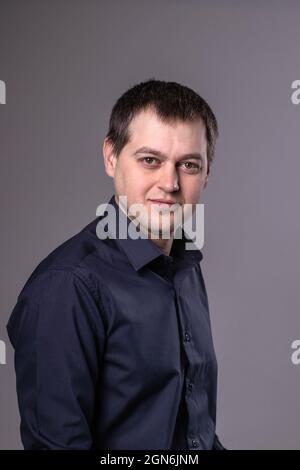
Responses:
[143,250]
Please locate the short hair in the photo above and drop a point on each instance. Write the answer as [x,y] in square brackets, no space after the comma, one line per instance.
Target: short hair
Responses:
[170,101]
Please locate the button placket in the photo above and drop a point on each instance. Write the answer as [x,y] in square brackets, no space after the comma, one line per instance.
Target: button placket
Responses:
[187,336]
[189,386]
[195,443]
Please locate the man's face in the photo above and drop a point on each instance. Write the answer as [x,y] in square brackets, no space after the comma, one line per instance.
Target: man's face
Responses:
[143,175]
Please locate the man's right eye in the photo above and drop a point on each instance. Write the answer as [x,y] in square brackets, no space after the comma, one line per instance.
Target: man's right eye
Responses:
[146,160]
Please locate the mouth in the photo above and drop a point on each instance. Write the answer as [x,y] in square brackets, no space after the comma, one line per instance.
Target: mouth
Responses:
[163,202]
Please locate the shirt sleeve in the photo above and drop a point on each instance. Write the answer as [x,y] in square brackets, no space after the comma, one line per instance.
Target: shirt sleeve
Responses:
[58,334]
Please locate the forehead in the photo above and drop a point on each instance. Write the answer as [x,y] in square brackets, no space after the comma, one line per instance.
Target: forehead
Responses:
[147,128]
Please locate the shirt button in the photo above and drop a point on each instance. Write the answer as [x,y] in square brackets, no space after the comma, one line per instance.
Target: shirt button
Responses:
[195,443]
[190,386]
[187,336]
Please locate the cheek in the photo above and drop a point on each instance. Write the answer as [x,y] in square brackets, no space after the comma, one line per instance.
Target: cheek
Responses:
[124,175]
[132,182]
[192,187]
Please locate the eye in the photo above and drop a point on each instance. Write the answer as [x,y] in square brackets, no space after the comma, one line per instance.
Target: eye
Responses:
[149,158]
[152,161]
[192,166]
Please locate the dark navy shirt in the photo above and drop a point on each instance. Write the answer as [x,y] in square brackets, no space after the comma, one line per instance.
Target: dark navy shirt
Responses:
[113,347]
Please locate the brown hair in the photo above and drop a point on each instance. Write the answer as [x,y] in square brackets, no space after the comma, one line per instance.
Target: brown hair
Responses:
[170,101]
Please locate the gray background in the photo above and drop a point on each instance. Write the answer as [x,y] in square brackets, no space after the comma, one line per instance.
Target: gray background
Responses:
[64,64]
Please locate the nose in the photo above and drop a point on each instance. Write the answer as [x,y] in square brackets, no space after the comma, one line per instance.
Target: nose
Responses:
[168,180]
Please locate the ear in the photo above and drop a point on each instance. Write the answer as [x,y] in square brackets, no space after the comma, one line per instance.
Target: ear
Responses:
[206,178]
[109,157]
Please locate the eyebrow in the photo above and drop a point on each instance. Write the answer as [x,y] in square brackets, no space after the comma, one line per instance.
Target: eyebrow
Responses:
[158,153]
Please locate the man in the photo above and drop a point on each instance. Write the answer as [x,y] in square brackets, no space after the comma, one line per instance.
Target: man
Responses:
[112,335]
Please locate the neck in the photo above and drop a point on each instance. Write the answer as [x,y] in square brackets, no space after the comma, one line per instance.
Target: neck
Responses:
[164,244]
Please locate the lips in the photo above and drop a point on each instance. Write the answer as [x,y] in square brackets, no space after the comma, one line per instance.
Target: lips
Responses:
[162,201]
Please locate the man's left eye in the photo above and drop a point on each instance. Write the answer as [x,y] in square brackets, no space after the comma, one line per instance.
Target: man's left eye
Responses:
[192,167]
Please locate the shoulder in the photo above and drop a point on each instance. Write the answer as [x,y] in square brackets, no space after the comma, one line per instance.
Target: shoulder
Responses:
[69,260]
[61,294]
